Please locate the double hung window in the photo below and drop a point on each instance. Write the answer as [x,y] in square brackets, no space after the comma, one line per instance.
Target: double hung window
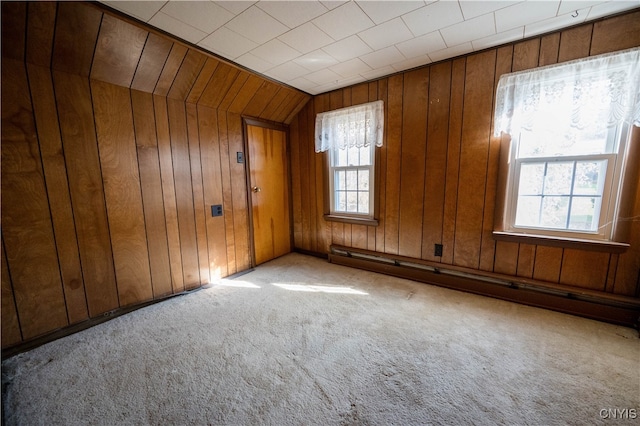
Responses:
[350,136]
[569,126]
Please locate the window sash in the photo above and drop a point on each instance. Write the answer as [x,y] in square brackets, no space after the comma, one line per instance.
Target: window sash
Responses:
[333,191]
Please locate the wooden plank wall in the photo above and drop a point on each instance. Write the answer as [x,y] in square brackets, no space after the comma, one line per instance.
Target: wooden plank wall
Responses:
[439,166]
[115,143]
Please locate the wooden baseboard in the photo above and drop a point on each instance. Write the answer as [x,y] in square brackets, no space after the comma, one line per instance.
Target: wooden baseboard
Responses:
[616,309]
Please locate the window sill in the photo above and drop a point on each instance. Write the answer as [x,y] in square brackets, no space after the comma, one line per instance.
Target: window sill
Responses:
[573,243]
[351,219]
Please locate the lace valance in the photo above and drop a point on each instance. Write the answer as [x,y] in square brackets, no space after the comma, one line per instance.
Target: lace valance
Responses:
[601,90]
[358,126]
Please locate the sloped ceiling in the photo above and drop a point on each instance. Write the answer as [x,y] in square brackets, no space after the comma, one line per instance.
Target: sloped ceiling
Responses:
[319,46]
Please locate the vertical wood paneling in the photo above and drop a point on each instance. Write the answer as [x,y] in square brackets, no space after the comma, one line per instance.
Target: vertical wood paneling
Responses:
[154,55]
[436,158]
[14,23]
[120,175]
[261,98]
[617,33]
[75,112]
[239,193]
[476,125]
[55,173]
[394,150]
[303,161]
[26,222]
[40,29]
[453,160]
[198,192]
[187,74]
[212,187]
[151,185]
[233,91]
[381,173]
[9,315]
[575,43]
[184,192]
[202,80]
[118,51]
[227,198]
[245,94]
[170,69]
[168,191]
[218,86]
[323,228]
[296,191]
[549,46]
[76,35]
[547,264]
[587,269]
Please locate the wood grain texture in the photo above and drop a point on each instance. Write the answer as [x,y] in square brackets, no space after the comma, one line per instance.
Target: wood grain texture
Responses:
[212,186]
[151,186]
[296,190]
[170,69]
[617,33]
[168,191]
[11,334]
[525,54]
[75,111]
[242,99]
[123,196]
[239,193]
[76,36]
[476,133]
[260,99]
[452,178]
[548,263]
[202,80]
[394,155]
[303,164]
[199,209]
[26,224]
[184,192]
[118,51]
[187,74]
[218,86]
[549,46]
[586,269]
[55,172]
[436,158]
[40,30]
[14,23]
[323,228]
[154,55]
[575,43]
[227,197]
[268,160]
[233,91]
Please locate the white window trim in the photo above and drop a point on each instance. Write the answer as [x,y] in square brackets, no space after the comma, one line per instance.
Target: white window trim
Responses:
[372,186]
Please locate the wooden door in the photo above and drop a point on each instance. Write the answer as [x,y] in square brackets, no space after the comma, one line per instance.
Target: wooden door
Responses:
[269,189]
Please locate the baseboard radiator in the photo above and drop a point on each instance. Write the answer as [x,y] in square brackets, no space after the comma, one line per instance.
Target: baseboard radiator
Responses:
[586,303]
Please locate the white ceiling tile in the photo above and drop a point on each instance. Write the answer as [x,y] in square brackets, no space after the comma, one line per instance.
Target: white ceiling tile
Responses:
[306,38]
[343,21]
[377,73]
[422,45]
[567,6]
[203,15]
[287,71]
[524,13]
[256,25]
[227,43]
[254,63]
[497,39]
[275,52]
[316,60]
[293,13]
[384,57]
[235,6]
[611,7]
[482,26]
[350,68]
[178,28]
[381,11]
[418,61]
[547,25]
[332,4]
[143,10]
[323,76]
[303,84]
[451,52]
[384,35]
[433,17]
[473,8]
[349,48]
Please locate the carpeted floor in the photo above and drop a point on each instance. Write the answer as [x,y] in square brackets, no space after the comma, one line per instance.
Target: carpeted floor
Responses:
[299,341]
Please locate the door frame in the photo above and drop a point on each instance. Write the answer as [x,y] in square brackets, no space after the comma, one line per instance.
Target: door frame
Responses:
[252,121]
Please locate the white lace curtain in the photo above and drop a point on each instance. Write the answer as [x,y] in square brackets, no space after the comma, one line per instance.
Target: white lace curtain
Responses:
[357,126]
[593,92]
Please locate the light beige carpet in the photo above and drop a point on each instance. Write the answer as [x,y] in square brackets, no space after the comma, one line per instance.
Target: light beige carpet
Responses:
[299,341]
